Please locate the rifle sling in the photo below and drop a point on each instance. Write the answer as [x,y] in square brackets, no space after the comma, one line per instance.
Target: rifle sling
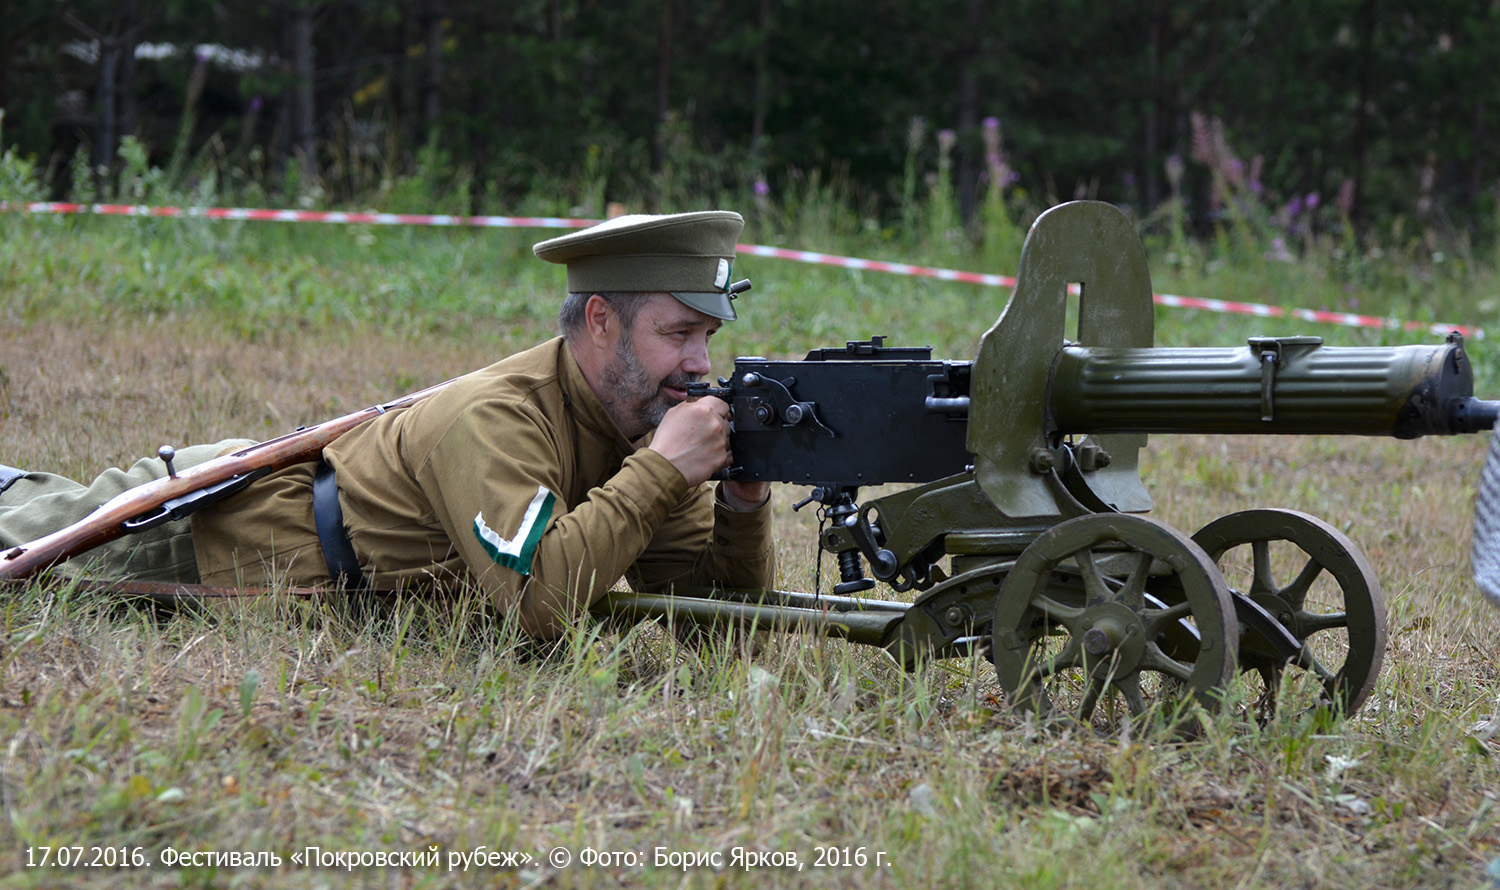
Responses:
[338,552]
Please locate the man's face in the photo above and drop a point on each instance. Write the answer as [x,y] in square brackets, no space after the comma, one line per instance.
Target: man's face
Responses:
[665,349]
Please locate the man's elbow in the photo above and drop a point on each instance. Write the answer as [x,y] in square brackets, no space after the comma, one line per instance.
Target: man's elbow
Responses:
[541,624]
[545,613]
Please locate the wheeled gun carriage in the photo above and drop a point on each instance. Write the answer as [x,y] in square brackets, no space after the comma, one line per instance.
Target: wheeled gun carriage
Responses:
[1021,473]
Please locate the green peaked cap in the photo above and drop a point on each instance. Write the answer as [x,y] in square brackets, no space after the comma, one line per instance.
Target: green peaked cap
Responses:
[688,255]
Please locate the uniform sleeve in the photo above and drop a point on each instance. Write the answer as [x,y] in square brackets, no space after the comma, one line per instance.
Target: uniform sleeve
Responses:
[497,481]
[704,542]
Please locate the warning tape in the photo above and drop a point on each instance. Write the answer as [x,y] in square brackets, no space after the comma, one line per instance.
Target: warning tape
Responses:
[1347,319]
[322,216]
[827,259]
[1262,310]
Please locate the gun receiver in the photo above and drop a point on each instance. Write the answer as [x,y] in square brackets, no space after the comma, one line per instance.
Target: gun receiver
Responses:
[851,416]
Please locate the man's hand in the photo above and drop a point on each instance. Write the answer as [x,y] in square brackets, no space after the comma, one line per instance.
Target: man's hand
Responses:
[694,436]
[742,497]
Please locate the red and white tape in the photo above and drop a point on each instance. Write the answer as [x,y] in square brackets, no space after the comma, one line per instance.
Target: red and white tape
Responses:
[322,216]
[1347,319]
[827,259]
[1263,310]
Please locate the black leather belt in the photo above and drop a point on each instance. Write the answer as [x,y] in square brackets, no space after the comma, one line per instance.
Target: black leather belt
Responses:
[343,565]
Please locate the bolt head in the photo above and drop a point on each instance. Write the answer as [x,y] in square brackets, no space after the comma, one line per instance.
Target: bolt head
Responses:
[1096,642]
[1042,460]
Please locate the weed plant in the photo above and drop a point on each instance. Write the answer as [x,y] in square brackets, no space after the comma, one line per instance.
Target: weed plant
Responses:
[280,723]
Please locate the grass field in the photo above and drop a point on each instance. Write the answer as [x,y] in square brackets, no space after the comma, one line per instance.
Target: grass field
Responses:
[429,736]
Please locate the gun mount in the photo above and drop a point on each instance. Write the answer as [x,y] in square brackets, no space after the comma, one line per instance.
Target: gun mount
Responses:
[1020,525]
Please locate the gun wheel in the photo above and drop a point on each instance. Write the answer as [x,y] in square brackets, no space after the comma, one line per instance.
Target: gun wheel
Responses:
[1113,610]
[1311,578]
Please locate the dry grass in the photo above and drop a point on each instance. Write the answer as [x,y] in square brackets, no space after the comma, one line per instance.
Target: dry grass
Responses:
[275,725]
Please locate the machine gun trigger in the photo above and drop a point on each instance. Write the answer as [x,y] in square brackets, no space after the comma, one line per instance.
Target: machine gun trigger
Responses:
[773,407]
[699,389]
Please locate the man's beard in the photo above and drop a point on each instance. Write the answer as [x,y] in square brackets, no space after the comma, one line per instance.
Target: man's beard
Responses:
[636,402]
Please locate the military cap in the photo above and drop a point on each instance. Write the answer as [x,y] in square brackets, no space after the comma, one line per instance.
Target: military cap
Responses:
[685,254]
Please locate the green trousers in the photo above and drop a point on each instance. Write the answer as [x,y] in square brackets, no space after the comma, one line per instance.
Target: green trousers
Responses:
[39,504]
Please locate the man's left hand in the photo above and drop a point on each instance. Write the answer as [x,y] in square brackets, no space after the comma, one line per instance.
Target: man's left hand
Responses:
[742,497]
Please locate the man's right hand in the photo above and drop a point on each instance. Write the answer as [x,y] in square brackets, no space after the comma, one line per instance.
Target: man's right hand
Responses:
[694,436]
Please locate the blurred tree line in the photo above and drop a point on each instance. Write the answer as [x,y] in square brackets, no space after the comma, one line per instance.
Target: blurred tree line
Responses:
[1374,111]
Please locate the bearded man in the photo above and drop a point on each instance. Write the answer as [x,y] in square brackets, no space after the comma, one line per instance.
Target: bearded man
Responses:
[544,478]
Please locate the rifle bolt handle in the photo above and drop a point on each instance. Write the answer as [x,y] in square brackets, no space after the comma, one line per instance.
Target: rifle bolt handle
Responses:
[167,454]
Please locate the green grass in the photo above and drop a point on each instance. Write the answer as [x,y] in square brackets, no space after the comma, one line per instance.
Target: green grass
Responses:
[276,724]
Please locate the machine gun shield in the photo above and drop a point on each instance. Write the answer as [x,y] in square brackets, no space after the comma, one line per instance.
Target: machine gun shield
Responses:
[1095,246]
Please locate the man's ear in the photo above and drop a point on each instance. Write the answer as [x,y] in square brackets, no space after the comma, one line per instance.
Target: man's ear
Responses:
[599,319]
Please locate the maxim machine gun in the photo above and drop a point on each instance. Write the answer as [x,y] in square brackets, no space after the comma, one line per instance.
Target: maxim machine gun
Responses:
[1018,526]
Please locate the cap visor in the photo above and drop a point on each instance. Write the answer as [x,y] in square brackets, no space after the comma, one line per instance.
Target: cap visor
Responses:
[719,305]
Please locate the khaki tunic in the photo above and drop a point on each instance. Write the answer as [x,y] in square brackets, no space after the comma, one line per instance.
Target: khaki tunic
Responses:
[513,475]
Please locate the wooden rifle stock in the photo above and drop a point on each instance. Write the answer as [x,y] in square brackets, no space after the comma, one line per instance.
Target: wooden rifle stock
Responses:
[171,497]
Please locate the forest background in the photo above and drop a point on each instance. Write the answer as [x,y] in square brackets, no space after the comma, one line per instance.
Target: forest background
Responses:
[1373,113]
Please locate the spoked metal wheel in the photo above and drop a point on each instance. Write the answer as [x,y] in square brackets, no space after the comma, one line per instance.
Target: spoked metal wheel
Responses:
[1112,610]
[1309,577]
